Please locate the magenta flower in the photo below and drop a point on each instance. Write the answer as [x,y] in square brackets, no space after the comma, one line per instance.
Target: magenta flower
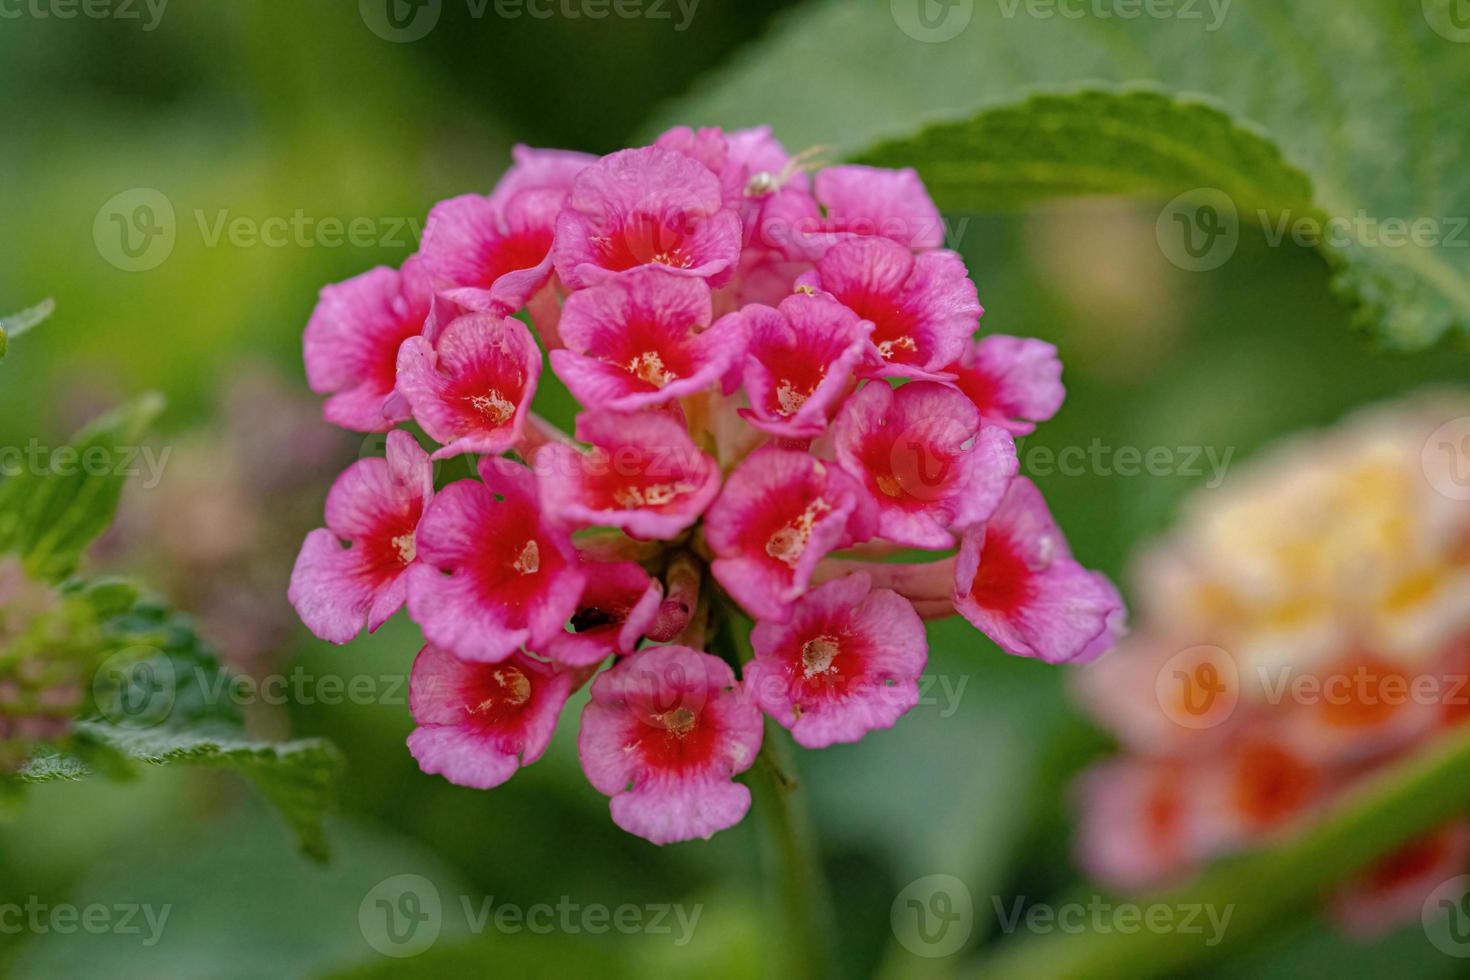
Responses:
[644,207]
[643,339]
[781,511]
[471,390]
[492,575]
[375,506]
[618,607]
[664,734]
[537,169]
[352,340]
[493,252]
[763,182]
[922,456]
[799,363]
[480,722]
[779,383]
[1014,381]
[644,475]
[923,308]
[846,663]
[1017,582]
[854,201]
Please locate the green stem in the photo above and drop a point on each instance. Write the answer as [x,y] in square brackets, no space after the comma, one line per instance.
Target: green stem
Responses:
[799,897]
[794,871]
[1263,890]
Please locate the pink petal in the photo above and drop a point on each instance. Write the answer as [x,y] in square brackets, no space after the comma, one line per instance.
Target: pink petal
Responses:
[1016,581]
[664,733]
[641,340]
[921,456]
[1014,381]
[799,362]
[472,391]
[644,475]
[846,663]
[492,575]
[779,513]
[375,505]
[892,204]
[536,169]
[494,256]
[478,723]
[647,206]
[924,308]
[351,342]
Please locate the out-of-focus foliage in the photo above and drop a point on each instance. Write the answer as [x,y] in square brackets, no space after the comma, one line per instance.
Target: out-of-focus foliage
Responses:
[1377,145]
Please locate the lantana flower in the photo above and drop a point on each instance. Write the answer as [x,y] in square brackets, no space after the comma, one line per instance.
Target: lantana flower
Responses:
[923,307]
[352,339]
[643,340]
[780,384]
[375,506]
[1304,626]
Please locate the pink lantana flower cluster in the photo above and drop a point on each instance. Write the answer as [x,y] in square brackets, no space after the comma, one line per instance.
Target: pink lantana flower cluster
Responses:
[783,387]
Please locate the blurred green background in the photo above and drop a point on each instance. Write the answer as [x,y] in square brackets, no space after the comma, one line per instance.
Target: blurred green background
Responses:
[268,109]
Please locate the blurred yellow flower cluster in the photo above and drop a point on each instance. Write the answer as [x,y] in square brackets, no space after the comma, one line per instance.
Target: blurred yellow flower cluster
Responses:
[1302,625]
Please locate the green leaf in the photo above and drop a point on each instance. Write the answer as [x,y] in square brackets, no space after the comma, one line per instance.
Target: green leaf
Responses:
[162,698]
[18,323]
[299,777]
[1271,104]
[1268,889]
[64,499]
